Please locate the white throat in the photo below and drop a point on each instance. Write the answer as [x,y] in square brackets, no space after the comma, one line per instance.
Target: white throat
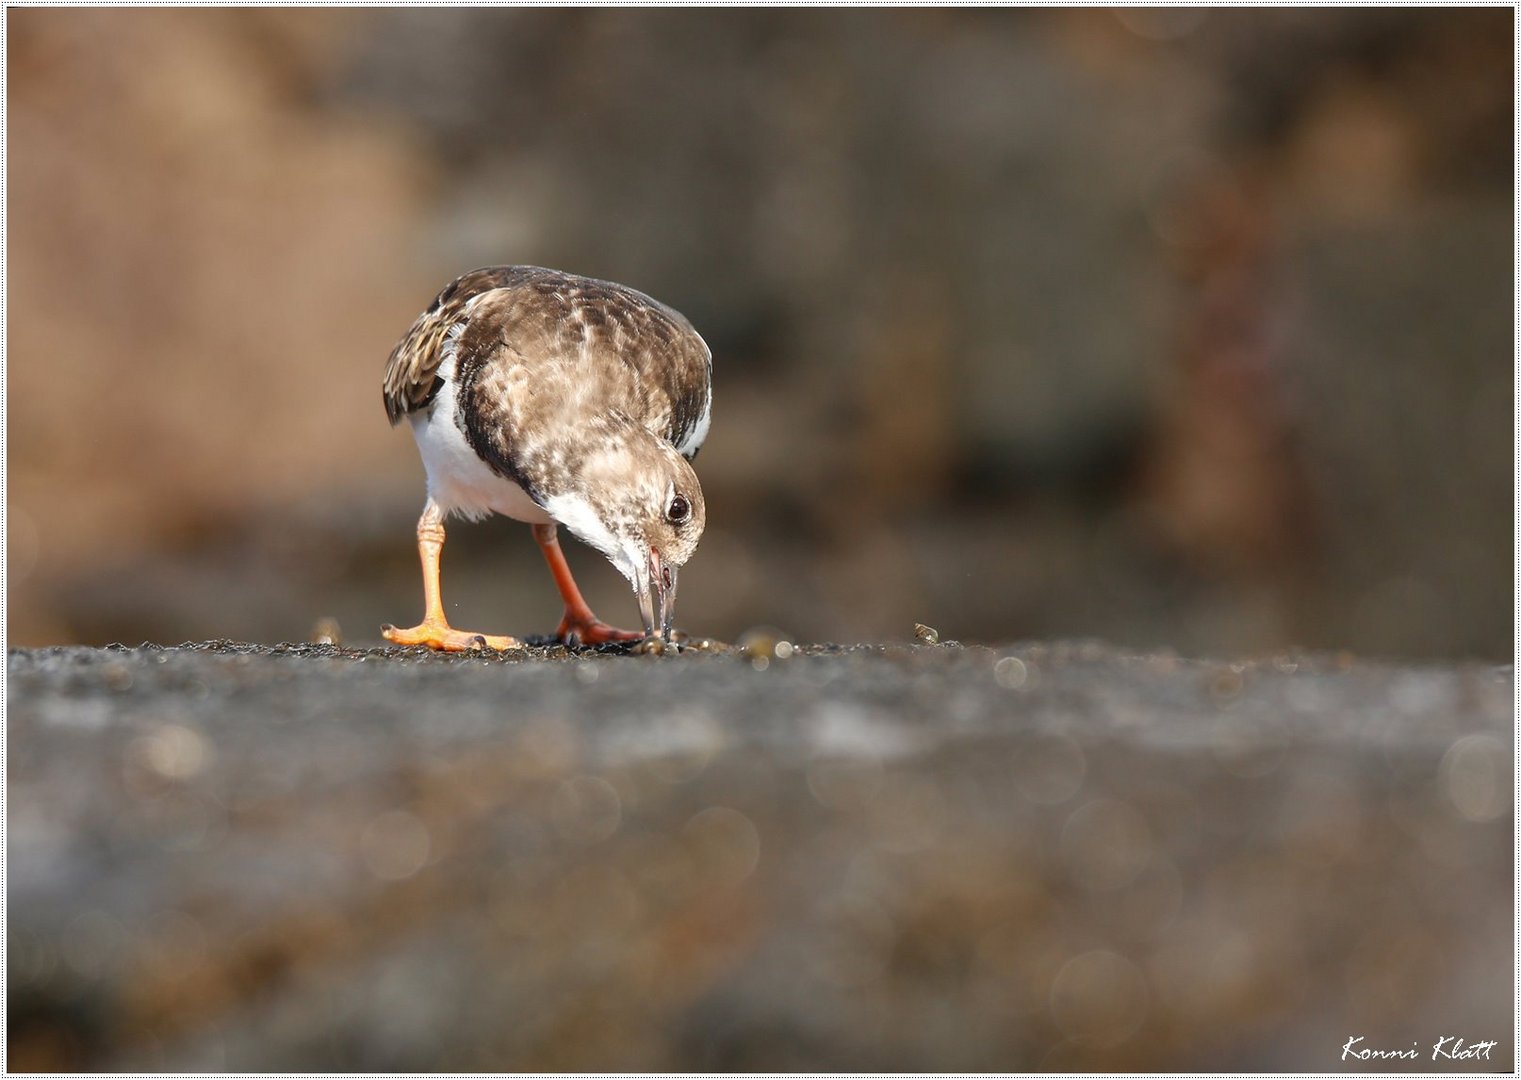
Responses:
[577,515]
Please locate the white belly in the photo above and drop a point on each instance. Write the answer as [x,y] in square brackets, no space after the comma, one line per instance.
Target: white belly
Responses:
[459,481]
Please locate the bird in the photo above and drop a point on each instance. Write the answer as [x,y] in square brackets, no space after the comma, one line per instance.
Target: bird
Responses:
[556,399]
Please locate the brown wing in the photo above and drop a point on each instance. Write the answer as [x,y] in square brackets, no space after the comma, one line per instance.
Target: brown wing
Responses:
[600,326]
[565,325]
[410,379]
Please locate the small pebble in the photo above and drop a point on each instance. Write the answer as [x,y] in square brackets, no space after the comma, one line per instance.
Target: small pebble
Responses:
[1011,673]
[326,631]
[703,644]
[759,646]
[927,634]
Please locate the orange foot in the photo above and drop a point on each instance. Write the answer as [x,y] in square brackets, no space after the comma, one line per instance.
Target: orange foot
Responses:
[446,638]
[586,629]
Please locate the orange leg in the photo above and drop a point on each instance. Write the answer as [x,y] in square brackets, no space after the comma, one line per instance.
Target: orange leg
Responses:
[579,624]
[434,631]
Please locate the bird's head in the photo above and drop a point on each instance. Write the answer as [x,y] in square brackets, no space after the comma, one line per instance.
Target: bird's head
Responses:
[636,500]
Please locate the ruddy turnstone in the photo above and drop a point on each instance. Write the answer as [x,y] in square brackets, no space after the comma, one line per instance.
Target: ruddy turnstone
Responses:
[556,400]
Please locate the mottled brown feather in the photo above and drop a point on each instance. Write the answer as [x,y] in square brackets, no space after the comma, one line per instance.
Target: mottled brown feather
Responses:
[566,345]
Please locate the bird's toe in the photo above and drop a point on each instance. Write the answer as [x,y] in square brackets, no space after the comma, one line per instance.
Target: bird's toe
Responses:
[447,639]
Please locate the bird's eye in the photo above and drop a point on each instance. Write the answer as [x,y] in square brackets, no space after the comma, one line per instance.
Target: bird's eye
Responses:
[679,510]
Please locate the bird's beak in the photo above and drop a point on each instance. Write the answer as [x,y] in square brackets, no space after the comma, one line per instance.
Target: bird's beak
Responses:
[657,602]
[667,599]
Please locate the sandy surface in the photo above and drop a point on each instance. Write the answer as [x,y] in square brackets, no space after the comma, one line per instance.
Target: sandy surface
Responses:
[1059,856]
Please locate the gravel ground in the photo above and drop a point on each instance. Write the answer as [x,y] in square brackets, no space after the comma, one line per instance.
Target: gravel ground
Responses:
[230,857]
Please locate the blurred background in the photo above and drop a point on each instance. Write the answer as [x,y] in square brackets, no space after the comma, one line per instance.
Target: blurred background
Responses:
[1167,327]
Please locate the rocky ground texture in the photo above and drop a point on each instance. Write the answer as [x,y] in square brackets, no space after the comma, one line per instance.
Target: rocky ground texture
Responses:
[228,857]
